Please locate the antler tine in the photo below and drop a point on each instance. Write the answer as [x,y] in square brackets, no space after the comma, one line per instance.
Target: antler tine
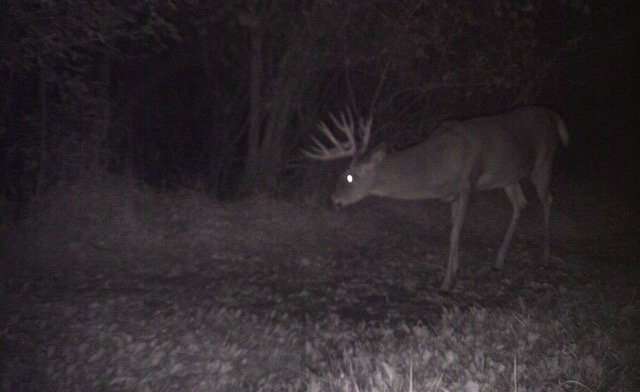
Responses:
[340,150]
[345,125]
[327,132]
[365,129]
[317,149]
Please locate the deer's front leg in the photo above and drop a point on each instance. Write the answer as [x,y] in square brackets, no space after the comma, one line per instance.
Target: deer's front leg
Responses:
[458,212]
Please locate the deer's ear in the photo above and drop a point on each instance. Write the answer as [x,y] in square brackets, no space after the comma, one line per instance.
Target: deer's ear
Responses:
[378,154]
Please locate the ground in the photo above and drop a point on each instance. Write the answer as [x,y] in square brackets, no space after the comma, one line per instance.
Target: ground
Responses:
[378,261]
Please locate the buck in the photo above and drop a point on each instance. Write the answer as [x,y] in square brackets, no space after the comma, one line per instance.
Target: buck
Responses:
[458,158]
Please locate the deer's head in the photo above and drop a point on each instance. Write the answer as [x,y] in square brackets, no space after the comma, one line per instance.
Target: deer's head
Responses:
[357,181]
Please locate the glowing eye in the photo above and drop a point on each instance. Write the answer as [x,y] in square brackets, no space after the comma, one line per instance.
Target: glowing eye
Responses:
[349,178]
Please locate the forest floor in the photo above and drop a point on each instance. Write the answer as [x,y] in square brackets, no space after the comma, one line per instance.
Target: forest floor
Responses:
[166,292]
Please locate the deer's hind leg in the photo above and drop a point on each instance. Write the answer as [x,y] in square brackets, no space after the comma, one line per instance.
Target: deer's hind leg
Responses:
[541,178]
[518,201]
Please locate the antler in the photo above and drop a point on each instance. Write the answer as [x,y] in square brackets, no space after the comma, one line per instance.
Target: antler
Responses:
[345,124]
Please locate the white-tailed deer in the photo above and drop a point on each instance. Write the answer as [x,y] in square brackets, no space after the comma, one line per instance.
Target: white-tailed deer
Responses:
[458,158]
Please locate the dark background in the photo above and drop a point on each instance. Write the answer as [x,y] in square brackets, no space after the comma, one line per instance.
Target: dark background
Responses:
[220,96]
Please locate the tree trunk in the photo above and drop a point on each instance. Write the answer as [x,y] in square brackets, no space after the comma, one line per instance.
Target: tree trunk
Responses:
[98,158]
[5,129]
[44,130]
[254,176]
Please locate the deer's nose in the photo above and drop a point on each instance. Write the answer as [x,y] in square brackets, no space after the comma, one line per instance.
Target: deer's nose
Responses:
[337,204]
